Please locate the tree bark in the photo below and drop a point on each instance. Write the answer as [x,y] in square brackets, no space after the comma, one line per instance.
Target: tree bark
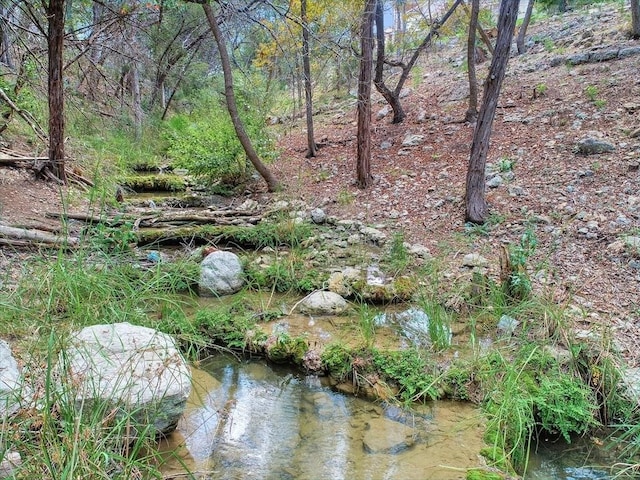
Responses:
[635,18]
[272,183]
[363,168]
[475,202]
[55,41]
[472,112]
[391,98]
[522,33]
[306,68]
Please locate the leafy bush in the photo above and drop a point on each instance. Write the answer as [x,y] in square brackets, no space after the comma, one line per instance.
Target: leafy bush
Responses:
[408,370]
[204,141]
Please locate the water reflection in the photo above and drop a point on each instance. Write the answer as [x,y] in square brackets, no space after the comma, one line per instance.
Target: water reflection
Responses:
[252,422]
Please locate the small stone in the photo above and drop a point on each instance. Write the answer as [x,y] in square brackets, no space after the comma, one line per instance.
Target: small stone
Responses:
[323,303]
[412,140]
[494,182]
[593,146]
[474,260]
[318,216]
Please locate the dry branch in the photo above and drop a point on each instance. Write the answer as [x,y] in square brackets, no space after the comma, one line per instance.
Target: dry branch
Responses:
[22,235]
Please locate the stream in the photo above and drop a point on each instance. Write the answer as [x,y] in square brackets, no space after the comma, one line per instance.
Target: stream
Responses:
[250,420]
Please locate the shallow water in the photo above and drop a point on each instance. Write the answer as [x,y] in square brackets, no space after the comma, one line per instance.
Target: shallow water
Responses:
[249,421]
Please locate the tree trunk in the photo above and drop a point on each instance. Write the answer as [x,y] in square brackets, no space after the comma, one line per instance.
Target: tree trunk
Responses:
[55,42]
[272,183]
[475,202]
[522,33]
[363,168]
[472,112]
[5,43]
[389,96]
[635,18]
[306,67]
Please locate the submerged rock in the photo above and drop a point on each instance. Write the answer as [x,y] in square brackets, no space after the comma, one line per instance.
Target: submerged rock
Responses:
[386,436]
[138,370]
[220,274]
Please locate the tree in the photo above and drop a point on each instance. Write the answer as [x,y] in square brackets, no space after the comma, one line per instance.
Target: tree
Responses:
[363,167]
[54,167]
[635,18]
[522,33]
[472,112]
[306,68]
[393,96]
[475,202]
[252,155]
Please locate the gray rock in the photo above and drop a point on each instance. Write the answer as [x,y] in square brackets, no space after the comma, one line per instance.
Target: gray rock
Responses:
[412,140]
[494,182]
[341,282]
[11,461]
[137,369]
[386,145]
[418,250]
[373,235]
[474,260]
[318,216]
[383,112]
[593,146]
[10,382]
[387,437]
[632,242]
[507,325]
[323,303]
[220,274]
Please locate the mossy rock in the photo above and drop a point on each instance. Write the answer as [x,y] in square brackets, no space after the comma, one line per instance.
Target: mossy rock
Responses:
[284,349]
[151,183]
[479,474]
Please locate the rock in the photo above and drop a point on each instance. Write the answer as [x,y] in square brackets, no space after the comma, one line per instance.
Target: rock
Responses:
[418,250]
[494,182]
[631,379]
[373,235]
[318,216]
[383,112]
[387,437]
[341,282]
[507,325]
[11,461]
[474,260]
[386,145]
[323,303]
[10,382]
[593,146]
[137,369]
[411,140]
[632,243]
[220,274]
[249,205]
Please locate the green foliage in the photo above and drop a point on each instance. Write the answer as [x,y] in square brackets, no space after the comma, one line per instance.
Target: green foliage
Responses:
[477,474]
[146,183]
[456,382]
[505,164]
[408,370]
[204,140]
[525,394]
[592,92]
[111,239]
[398,254]
[286,273]
[337,359]
[565,405]
[231,326]
[284,348]
[516,283]
[540,89]
[439,323]
[367,323]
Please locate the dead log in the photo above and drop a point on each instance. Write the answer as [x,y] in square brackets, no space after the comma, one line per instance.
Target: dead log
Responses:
[37,236]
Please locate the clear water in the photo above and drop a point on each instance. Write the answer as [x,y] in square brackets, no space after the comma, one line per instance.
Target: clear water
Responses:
[249,420]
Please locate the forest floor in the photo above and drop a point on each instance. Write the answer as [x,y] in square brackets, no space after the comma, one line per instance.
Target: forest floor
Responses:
[580,207]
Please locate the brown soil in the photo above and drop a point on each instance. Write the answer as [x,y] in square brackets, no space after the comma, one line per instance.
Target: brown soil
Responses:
[580,206]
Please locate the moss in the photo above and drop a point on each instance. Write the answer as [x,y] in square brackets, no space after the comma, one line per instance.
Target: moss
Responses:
[148,183]
[284,348]
[478,474]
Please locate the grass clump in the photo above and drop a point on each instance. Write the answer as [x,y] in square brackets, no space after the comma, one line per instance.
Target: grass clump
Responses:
[286,273]
[230,326]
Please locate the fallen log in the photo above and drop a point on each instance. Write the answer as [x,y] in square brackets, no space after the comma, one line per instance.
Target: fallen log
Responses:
[22,234]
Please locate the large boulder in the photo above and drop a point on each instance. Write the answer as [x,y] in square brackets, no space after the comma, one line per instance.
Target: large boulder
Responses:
[220,274]
[10,382]
[387,437]
[323,303]
[139,370]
